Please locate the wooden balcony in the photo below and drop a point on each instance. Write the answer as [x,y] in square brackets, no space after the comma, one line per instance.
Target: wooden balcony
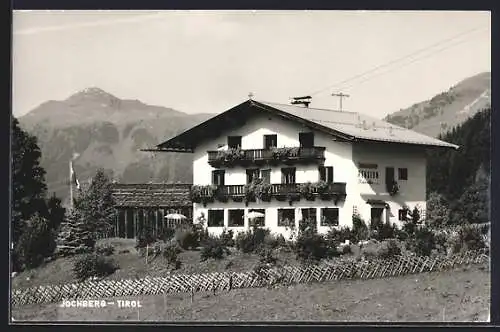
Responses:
[279,191]
[236,157]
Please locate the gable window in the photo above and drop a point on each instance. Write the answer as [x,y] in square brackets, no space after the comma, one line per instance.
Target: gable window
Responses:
[265,174]
[306,140]
[288,175]
[326,173]
[215,218]
[218,177]
[286,217]
[368,173]
[270,141]
[252,174]
[403,173]
[234,142]
[236,218]
[329,217]
[259,221]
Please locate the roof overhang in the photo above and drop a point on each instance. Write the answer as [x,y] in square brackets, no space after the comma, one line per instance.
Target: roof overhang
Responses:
[187,141]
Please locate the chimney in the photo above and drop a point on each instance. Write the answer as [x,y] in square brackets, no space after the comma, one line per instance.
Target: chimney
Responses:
[305,101]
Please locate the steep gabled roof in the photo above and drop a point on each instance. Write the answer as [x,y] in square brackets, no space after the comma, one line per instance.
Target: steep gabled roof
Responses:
[345,126]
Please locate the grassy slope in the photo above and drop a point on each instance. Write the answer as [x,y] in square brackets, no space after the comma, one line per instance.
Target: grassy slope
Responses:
[453,296]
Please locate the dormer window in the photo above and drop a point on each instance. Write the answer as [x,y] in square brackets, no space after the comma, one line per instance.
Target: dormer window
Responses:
[306,140]
[234,142]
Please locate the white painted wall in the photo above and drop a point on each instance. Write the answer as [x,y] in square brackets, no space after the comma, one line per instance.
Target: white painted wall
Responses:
[412,192]
[342,156]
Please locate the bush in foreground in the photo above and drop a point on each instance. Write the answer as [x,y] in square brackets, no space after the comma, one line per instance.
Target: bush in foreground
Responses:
[213,247]
[106,249]
[312,247]
[171,254]
[93,265]
[187,238]
[251,240]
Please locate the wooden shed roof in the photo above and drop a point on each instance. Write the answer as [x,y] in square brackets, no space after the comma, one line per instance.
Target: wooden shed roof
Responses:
[152,195]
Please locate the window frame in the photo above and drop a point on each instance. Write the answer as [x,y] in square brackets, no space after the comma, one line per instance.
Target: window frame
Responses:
[213,211]
[303,139]
[284,176]
[322,216]
[403,171]
[324,172]
[284,210]
[229,222]
[234,137]
[263,224]
[270,136]
[223,177]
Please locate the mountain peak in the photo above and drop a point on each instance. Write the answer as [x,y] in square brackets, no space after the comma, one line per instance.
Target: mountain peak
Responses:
[93,94]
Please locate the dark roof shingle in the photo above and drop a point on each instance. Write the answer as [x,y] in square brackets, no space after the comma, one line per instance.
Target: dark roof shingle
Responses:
[151,195]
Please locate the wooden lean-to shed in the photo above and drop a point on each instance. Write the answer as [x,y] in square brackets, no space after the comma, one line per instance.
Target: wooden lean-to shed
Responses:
[145,204]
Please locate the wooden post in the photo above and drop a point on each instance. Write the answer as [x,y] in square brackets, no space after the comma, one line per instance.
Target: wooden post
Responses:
[126,223]
[157,230]
[135,222]
[117,221]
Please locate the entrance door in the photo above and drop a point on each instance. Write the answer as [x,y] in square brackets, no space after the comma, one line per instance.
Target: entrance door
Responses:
[376,216]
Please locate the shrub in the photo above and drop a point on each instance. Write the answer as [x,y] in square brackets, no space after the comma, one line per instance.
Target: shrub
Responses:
[384,250]
[266,256]
[440,240]
[251,240]
[93,265]
[171,255]
[339,235]
[166,234]
[466,238]
[312,247]
[187,238]
[274,241]
[213,247]
[106,249]
[423,242]
[359,229]
[227,238]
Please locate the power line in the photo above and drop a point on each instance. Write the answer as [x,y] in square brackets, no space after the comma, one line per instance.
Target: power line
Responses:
[399,59]
[406,64]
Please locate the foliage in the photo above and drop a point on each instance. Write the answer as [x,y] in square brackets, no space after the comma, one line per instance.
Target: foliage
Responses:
[274,241]
[28,179]
[382,230]
[227,238]
[76,235]
[284,153]
[230,156]
[106,250]
[467,237]
[359,229]
[93,265]
[213,247]
[338,236]
[411,224]
[166,234]
[171,254]
[473,204]
[96,204]
[392,188]
[312,247]
[438,212]
[266,256]
[384,250]
[251,240]
[36,242]
[423,242]
[202,194]
[307,191]
[187,238]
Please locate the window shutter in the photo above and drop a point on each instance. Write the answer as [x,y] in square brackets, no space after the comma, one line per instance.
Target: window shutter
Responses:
[330,174]
[322,175]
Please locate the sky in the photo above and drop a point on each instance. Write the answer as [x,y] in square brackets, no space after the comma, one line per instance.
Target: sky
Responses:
[210,61]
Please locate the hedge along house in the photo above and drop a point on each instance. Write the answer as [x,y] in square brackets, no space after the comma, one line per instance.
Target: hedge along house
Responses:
[146,205]
[293,163]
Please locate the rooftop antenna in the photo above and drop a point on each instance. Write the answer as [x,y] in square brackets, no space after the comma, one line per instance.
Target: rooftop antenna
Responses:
[340,95]
[305,100]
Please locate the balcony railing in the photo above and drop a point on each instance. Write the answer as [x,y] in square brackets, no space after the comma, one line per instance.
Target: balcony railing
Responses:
[233,157]
[264,192]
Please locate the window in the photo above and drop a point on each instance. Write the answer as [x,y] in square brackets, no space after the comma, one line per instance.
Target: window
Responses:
[286,217]
[376,216]
[368,173]
[236,218]
[234,142]
[259,221]
[326,173]
[288,175]
[309,214]
[266,175]
[252,174]
[306,140]
[215,218]
[403,173]
[218,177]
[403,214]
[329,217]
[270,141]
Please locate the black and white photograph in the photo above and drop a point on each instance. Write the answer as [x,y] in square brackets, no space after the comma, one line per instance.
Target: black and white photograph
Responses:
[250,166]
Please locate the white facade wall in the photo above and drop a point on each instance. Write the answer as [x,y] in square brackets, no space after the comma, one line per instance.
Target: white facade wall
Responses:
[342,156]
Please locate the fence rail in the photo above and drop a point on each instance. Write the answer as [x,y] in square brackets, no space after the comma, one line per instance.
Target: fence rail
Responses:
[338,269]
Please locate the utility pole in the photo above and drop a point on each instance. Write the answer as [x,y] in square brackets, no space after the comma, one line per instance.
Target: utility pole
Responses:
[340,95]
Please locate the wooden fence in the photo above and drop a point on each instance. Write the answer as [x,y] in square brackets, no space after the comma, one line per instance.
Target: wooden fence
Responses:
[337,269]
